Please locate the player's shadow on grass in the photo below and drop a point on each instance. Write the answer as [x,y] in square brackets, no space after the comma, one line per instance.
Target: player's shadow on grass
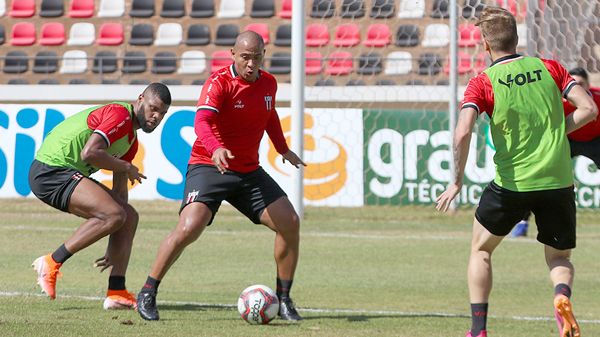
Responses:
[366,318]
[194,307]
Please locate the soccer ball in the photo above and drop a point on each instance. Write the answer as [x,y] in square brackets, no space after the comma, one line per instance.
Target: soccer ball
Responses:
[258,304]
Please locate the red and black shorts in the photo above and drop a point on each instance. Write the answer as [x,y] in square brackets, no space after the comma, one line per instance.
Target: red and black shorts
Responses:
[250,193]
[53,185]
[500,209]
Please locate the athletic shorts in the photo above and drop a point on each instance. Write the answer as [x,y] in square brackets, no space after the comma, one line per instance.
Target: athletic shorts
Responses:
[590,149]
[53,184]
[500,209]
[250,193]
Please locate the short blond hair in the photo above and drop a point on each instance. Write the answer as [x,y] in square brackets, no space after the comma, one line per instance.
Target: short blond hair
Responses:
[499,28]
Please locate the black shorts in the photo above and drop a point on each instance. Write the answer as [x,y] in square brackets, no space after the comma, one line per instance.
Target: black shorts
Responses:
[53,184]
[500,209]
[590,149]
[250,193]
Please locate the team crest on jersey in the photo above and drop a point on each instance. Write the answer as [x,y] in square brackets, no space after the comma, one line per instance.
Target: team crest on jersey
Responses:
[239,104]
[269,102]
[191,196]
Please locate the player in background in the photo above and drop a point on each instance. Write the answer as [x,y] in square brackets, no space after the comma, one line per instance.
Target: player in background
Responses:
[235,108]
[100,137]
[583,142]
[522,97]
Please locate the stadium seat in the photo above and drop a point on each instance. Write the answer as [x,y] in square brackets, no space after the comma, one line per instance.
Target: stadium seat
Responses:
[369,64]
[52,34]
[481,62]
[322,9]
[283,36]
[48,81]
[281,63]
[429,64]
[192,62]
[45,62]
[142,9]
[168,34]
[111,34]
[385,81]
[52,8]
[469,35]
[81,9]
[286,9]
[472,9]
[513,7]
[232,9]
[107,81]
[81,34]
[18,81]
[78,81]
[105,62]
[23,34]
[436,35]
[170,81]
[2,35]
[415,82]
[382,9]
[325,82]
[378,35]
[111,8]
[339,63]
[313,62]
[262,9]
[441,9]
[407,36]
[198,82]
[173,9]
[261,28]
[198,35]
[220,59]
[134,62]
[398,63]
[203,9]
[2,8]
[139,82]
[352,9]
[142,34]
[465,63]
[317,35]
[226,34]
[346,35]
[411,9]
[22,8]
[442,82]
[522,32]
[16,62]
[74,62]
[355,82]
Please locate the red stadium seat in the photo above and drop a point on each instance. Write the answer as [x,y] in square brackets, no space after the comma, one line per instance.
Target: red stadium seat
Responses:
[261,28]
[22,8]
[111,34]
[317,35]
[339,63]
[464,63]
[347,35]
[23,34]
[514,8]
[481,62]
[378,35]
[53,34]
[314,62]
[82,9]
[469,35]
[286,9]
[220,59]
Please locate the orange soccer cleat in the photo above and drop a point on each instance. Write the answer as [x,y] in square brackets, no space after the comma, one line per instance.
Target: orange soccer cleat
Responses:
[119,299]
[47,270]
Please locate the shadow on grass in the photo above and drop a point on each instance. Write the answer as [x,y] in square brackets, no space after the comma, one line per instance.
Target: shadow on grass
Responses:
[366,318]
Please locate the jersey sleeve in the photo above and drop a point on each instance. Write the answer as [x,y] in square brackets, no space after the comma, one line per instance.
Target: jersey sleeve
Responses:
[112,121]
[477,96]
[561,76]
[212,95]
[132,152]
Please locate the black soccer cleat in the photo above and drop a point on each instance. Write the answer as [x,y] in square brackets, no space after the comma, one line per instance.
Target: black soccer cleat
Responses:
[287,310]
[146,305]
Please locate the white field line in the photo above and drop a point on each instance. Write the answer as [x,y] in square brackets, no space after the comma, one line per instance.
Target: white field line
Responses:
[312,310]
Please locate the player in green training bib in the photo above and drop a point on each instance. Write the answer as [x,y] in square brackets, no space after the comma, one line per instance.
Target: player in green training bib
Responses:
[100,137]
[522,97]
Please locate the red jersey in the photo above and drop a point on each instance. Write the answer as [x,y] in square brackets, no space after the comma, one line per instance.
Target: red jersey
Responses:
[592,129]
[480,95]
[112,122]
[235,114]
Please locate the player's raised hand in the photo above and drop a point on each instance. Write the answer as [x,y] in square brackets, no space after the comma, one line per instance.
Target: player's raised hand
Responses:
[134,174]
[293,159]
[445,199]
[103,263]
[220,157]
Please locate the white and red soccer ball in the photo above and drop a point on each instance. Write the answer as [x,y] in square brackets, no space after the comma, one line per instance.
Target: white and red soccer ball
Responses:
[258,304]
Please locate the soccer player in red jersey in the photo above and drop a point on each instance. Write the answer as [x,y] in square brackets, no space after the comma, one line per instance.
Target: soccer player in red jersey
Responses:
[522,97]
[100,137]
[236,107]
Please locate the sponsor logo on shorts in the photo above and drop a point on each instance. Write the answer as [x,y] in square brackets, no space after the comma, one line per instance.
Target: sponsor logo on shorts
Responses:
[191,196]
[77,176]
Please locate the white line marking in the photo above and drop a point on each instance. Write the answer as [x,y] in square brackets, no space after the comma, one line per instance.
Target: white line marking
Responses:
[314,310]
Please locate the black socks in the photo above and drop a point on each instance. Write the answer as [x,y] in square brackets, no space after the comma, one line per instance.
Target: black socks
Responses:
[61,254]
[478,318]
[151,285]
[283,288]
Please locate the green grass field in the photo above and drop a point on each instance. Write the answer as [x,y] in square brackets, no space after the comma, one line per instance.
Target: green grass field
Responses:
[373,271]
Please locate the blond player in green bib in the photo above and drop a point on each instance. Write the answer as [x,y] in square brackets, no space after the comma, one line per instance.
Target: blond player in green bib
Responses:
[522,97]
[100,137]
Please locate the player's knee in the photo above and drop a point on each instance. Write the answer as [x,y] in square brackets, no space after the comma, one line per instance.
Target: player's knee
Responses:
[115,219]
[132,218]
[291,227]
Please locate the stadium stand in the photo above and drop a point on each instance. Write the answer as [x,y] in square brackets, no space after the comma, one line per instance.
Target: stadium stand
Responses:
[111,34]
[314,63]
[52,34]
[346,35]
[169,34]
[281,63]
[262,29]
[16,62]
[283,36]
[142,9]
[322,9]
[52,8]
[202,9]
[111,9]
[232,9]
[82,34]
[134,62]
[226,34]
[317,35]
[74,62]
[22,8]
[382,9]
[142,34]
[192,62]
[339,63]
[410,9]
[173,9]
[105,62]
[81,9]
[198,35]
[45,62]
[352,9]
[286,9]
[378,35]
[407,36]
[2,35]
[262,9]
[23,34]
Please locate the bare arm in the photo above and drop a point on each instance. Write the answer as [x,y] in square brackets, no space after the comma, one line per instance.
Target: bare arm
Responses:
[120,186]
[586,109]
[94,153]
